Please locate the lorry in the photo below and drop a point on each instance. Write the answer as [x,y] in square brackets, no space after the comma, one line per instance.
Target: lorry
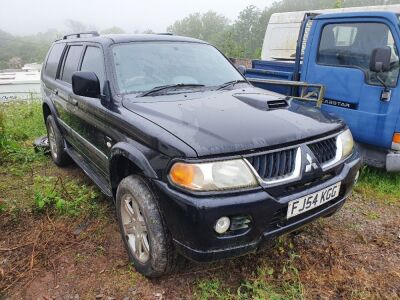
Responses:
[349,61]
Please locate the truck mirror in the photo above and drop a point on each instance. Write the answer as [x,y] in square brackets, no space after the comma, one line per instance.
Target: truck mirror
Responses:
[86,84]
[380,60]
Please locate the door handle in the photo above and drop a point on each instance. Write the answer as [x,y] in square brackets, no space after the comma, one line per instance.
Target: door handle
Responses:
[73,101]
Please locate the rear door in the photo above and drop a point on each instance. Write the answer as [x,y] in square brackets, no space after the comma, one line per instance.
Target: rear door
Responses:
[339,59]
[66,106]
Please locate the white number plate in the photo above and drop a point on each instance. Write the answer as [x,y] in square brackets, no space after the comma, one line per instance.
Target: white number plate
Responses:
[311,201]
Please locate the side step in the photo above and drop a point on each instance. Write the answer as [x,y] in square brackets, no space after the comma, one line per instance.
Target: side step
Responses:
[93,175]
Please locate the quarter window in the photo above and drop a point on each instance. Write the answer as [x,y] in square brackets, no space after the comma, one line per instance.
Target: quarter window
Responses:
[93,62]
[71,63]
[53,60]
[351,45]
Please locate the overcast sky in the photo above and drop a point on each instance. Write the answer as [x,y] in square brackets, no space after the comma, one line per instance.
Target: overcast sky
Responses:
[30,16]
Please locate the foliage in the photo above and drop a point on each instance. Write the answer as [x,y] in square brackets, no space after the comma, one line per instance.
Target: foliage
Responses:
[20,123]
[272,280]
[240,38]
[65,198]
[18,50]
[380,185]
[208,26]
[2,129]
[243,37]
[3,206]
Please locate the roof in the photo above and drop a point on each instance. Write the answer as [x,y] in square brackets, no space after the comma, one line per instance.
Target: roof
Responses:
[126,38]
[297,16]
[366,14]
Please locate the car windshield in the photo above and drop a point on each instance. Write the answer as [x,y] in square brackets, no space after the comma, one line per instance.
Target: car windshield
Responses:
[143,66]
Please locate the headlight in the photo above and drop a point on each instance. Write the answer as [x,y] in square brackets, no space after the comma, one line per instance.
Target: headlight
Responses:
[345,139]
[213,176]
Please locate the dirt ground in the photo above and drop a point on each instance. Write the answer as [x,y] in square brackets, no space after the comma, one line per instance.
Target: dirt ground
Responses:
[352,255]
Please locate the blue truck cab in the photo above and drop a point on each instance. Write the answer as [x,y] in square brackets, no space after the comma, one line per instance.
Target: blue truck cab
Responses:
[341,54]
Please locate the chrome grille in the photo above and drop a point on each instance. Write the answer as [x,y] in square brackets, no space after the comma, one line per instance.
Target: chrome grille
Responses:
[274,165]
[324,150]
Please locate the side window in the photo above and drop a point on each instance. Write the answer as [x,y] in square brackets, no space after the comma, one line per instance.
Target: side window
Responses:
[351,45]
[71,63]
[93,61]
[53,60]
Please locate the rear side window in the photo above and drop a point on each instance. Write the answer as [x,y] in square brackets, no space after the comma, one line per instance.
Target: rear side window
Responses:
[71,63]
[351,45]
[93,62]
[53,60]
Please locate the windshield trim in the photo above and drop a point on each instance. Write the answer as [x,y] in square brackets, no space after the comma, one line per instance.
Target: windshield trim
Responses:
[114,71]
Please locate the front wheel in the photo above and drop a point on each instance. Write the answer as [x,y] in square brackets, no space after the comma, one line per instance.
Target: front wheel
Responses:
[144,234]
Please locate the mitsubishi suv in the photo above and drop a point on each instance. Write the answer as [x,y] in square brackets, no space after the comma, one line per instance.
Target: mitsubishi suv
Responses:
[200,163]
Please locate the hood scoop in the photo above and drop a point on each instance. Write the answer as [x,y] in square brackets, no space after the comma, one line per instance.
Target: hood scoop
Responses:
[262,101]
[275,104]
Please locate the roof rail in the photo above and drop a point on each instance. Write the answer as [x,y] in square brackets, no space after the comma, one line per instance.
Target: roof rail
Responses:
[165,33]
[78,35]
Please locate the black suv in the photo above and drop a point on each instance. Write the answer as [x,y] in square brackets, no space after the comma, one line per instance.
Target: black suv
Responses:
[199,162]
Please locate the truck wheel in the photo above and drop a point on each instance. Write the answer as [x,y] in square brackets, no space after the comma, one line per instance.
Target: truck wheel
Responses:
[56,143]
[145,236]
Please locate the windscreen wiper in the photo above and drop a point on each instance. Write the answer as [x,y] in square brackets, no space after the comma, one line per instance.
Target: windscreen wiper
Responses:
[169,86]
[231,83]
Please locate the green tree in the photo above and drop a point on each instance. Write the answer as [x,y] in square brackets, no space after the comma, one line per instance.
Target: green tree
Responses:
[208,26]
[247,31]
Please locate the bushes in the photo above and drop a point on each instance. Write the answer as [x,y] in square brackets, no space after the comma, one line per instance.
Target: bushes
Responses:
[64,198]
[2,129]
[20,123]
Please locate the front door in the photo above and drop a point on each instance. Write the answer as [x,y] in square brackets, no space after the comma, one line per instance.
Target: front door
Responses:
[91,126]
[339,59]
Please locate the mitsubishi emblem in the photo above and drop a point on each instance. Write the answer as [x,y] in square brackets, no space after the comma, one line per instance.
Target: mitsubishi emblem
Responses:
[311,164]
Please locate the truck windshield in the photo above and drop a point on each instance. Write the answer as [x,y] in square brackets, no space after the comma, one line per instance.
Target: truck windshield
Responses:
[142,66]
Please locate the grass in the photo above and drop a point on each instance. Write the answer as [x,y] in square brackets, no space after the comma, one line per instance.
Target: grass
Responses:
[379,185]
[270,281]
[70,197]
[20,124]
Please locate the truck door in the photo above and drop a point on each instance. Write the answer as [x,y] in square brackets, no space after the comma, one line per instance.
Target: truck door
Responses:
[339,58]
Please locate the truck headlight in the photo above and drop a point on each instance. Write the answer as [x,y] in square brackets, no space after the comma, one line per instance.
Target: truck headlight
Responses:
[213,176]
[345,140]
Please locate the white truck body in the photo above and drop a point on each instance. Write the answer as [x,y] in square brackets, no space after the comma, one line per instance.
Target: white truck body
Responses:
[283,30]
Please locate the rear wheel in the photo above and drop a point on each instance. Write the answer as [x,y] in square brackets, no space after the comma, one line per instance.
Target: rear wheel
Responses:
[56,143]
[144,234]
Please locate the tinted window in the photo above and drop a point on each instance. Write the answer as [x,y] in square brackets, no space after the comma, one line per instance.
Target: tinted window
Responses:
[71,63]
[351,45]
[93,62]
[142,66]
[53,60]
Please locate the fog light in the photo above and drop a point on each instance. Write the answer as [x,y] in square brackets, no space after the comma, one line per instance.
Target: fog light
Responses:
[222,225]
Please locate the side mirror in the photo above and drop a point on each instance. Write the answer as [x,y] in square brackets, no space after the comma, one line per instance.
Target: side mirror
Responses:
[241,69]
[380,60]
[86,84]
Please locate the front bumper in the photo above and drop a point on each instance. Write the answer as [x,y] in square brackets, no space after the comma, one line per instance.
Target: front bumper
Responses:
[380,157]
[190,219]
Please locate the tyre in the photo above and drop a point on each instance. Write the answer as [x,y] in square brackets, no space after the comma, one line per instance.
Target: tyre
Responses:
[56,143]
[146,238]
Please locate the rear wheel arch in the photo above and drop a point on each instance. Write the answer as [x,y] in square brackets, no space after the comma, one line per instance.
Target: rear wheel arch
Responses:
[46,111]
